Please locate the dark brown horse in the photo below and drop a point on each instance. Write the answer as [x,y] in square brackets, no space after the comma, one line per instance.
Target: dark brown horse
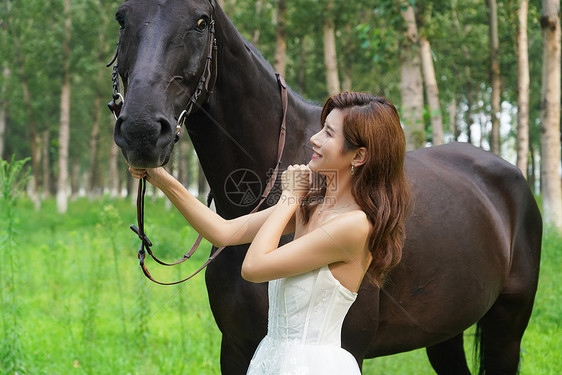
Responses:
[473,241]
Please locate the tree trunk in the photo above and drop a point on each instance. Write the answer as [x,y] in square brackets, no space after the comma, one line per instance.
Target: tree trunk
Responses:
[330,54]
[256,32]
[75,178]
[347,70]
[453,123]
[464,31]
[202,185]
[94,183]
[184,156]
[411,87]
[112,171]
[550,115]
[3,104]
[494,75]
[33,133]
[281,37]
[531,175]
[522,90]
[64,131]
[94,138]
[302,65]
[431,92]
[46,161]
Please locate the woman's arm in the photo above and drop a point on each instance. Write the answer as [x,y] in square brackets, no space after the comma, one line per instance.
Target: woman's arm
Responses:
[342,239]
[218,231]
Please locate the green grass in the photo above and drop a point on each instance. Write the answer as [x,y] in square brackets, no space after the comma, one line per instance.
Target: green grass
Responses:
[84,307]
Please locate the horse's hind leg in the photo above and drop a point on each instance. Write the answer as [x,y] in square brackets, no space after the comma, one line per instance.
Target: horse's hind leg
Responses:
[502,327]
[501,331]
[448,357]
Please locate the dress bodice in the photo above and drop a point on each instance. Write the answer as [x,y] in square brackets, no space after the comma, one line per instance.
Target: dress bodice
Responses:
[308,308]
[306,314]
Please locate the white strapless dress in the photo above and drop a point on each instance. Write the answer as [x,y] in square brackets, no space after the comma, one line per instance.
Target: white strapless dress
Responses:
[306,314]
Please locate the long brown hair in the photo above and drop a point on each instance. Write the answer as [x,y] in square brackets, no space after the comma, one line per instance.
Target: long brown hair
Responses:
[379,186]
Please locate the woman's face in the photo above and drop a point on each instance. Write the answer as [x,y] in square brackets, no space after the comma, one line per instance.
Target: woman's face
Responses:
[327,145]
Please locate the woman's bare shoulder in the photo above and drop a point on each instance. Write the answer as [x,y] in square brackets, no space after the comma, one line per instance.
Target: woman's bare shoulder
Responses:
[354,224]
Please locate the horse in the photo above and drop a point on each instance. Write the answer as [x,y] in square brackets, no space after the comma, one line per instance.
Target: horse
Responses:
[473,243]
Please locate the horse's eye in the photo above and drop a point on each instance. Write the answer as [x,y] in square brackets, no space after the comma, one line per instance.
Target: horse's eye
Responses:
[120,18]
[201,24]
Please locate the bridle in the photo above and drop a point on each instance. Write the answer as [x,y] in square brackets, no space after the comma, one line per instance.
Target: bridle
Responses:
[145,246]
[205,85]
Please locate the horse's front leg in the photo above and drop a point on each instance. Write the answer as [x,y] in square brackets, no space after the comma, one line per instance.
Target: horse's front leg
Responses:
[239,308]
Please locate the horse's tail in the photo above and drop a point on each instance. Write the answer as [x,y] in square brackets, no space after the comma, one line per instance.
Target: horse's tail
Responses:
[479,349]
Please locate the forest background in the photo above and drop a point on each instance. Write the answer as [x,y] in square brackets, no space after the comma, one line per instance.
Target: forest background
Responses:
[71,299]
[485,72]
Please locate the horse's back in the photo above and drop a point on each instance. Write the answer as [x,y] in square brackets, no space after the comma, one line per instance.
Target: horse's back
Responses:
[470,208]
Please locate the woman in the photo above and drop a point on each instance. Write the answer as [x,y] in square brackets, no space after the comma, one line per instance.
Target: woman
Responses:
[351,227]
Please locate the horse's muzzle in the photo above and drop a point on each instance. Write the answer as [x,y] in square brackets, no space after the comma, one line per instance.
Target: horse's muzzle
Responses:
[145,142]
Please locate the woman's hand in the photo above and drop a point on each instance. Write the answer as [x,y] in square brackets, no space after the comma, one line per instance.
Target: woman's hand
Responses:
[156,176]
[295,181]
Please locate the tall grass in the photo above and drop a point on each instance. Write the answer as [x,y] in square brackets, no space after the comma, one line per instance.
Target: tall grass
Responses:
[13,177]
[84,307]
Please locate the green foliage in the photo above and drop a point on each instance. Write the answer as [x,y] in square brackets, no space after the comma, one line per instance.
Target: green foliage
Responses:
[13,177]
[368,36]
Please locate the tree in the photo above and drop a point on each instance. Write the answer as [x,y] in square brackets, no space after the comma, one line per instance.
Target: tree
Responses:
[256,32]
[522,89]
[3,83]
[550,114]
[6,74]
[281,37]
[494,75]
[15,36]
[411,80]
[64,130]
[330,53]
[430,82]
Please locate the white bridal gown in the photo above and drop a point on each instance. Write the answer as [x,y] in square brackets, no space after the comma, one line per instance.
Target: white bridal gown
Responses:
[306,314]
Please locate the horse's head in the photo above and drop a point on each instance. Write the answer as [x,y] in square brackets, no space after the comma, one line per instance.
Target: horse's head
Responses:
[162,54]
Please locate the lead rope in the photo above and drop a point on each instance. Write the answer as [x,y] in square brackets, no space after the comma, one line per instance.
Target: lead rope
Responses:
[146,243]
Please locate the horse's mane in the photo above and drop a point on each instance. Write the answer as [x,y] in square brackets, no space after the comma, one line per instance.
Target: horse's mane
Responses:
[254,50]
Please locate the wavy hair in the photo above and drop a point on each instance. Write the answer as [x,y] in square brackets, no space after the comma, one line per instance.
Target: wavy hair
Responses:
[379,186]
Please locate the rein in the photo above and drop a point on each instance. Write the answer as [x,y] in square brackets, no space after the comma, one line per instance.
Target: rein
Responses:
[204,86]
[145,246]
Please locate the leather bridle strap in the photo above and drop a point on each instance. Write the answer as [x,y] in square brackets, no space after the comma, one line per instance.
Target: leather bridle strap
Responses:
[206,81]
[146,243]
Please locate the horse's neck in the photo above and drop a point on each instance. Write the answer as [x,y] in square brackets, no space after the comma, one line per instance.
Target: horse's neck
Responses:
[241,129]
[243,71]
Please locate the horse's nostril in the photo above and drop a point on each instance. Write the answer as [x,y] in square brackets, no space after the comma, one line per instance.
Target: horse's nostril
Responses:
[165,135]
[117,135]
